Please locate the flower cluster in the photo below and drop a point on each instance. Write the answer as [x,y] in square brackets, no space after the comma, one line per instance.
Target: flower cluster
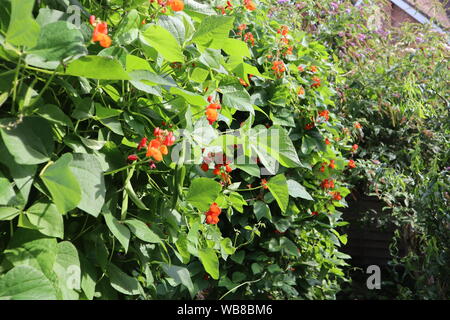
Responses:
[100,33]
[325,114]
[157,147]
[212,215]
[223,10]
[327,184]
[248,37]
[335,195]
[222,166]
[316,82]
[278,67]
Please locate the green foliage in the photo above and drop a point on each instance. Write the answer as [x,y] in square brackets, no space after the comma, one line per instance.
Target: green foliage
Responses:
[80,221]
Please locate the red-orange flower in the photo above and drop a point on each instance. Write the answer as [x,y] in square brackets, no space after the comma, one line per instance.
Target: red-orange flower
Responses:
[212,215]
[132,157]
[313,69]
[325,114]
[242,27]
[327,141]
[142,144]
[100,34]
[300,68]
[309,126]
[336,195]
[332,164]
[351,164]
[284,30]
[264,184]
[250,5]
[176,5]
[357,125]
[300,91]
[211,112]
[204,167]
[355,147]
[314,213]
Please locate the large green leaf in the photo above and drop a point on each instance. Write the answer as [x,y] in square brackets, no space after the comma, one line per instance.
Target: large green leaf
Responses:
[180,275]
[128,29]
[46,218]
[175,26]
[296,190]
[57,41]
[26,283]
[62,184]
[190,97]
[210,262]
[279,189]
[67,268]
[237,97]
[262,210]
[142,231]
[164,42]
[203,192]
[212,31]
[32,248]
[118,229]
[121,281]
[30,141]
[23,175]
[23,30]
[97,67]
[89,174]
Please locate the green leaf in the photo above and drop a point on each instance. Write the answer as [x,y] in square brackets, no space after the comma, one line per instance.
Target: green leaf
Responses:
[210,262]
[226,246]
[22,175]
[237,201]
[237,98]
[96,67]
[23,30]
[32,248]
[46,218]
[296,190]
[7,193]
[62,184]
[88,278]
[262,210]
[175,26]
[289,247]
[190,97]
[68,270]
[164,42]
[279,189]
[235,47]
[26,283]
[119,230]
[128,29]
[142,231]
[30,141]
[54,114]
[121,281]
[89,174]
[58,41]
[180,275]
[203,192]
[212,31]
[8,213]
